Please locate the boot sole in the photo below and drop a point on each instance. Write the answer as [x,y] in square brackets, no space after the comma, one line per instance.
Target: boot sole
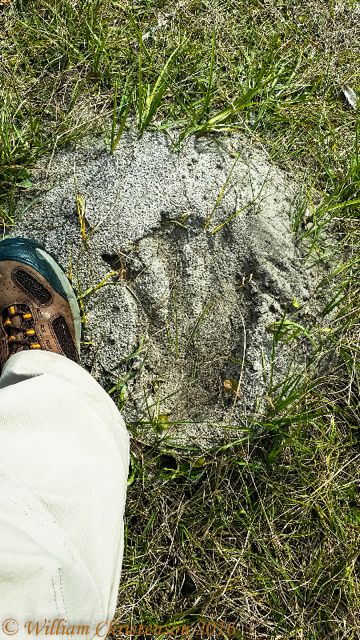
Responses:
[35,255]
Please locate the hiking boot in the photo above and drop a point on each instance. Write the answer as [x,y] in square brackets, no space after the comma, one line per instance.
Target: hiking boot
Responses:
[38,307]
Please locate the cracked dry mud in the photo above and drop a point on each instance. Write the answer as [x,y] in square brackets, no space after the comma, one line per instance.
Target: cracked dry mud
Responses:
[192,301]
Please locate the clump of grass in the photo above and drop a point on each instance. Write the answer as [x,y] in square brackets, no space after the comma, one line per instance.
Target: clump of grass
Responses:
[272,71]
[120,113]
[149,98]
[263,534]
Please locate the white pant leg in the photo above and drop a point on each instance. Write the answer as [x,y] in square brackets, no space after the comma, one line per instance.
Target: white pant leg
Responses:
[64,455]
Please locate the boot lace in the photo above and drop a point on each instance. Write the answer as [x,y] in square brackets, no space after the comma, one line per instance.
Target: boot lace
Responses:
[19,327]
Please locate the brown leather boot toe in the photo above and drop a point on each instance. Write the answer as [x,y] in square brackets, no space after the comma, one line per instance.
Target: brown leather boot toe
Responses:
[38,308]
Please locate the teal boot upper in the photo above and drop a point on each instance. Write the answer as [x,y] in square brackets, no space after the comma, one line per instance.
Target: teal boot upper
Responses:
[25,250]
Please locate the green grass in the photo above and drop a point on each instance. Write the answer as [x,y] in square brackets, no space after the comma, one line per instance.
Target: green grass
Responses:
[264,532]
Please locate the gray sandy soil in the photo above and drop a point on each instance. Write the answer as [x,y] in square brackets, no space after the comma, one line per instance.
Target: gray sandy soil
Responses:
[186,320]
